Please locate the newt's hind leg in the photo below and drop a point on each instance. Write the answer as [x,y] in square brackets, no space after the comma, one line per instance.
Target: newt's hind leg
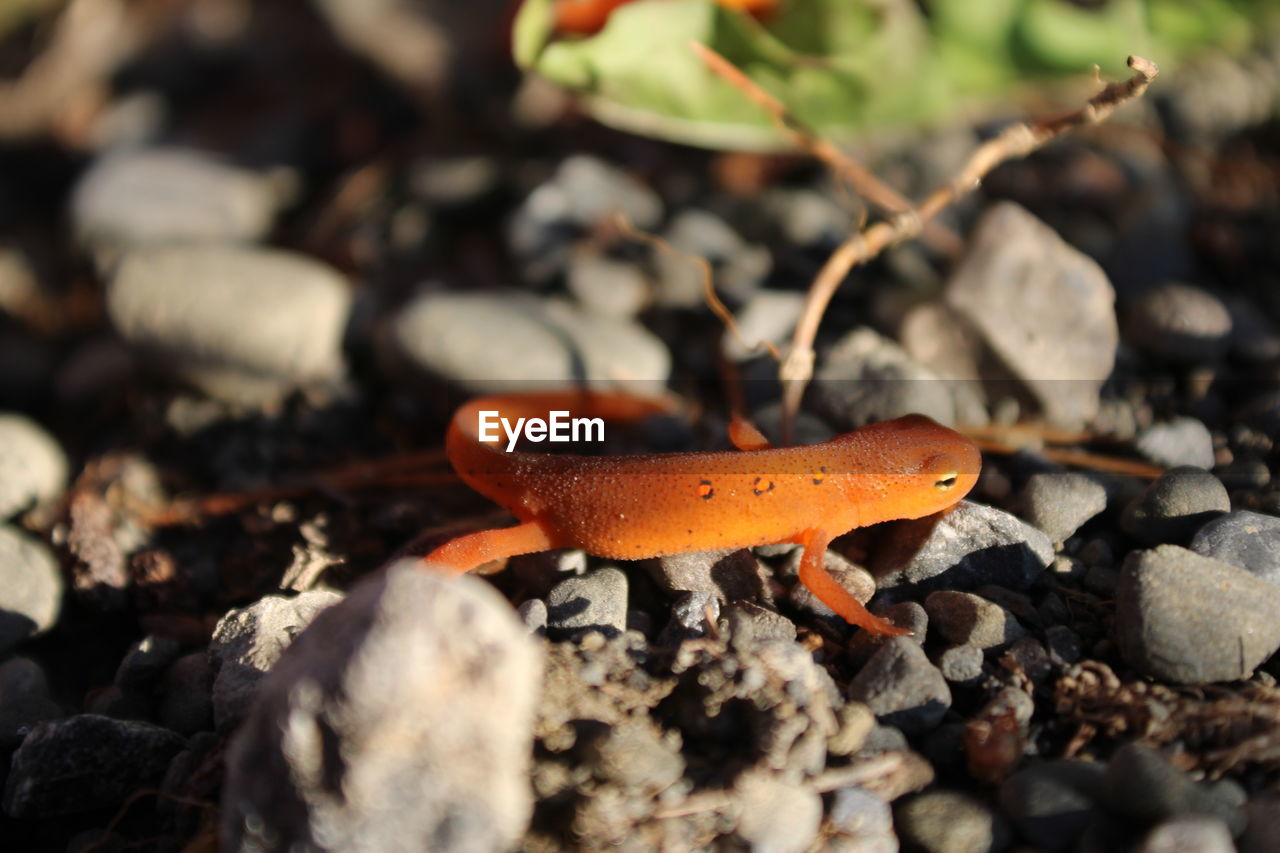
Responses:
[818,581]
[475,549]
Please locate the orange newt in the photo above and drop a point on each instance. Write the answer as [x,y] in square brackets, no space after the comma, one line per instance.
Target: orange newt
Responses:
[589,16]
[630,507]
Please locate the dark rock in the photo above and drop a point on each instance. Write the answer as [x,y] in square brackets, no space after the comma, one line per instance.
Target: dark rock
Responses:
[750,624]
[24,701]
[1180,323]
[728,575]
[1059,503]
[1046,309]
[1175,506]
[186,706]
[1051,804]
[33,468]
[85,762]
[1141,783]
[1189,619]
[904,614]
[425,685]
[1246,539]
[597,601]
[1179,442]
[146,661]
[902,687]
[967,619]
[1262,832]
[30,588]
[248,641]
[183,309]
[965,548]
[1063,644]
[942,821]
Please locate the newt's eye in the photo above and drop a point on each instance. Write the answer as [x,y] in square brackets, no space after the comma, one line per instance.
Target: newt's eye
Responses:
[946,481]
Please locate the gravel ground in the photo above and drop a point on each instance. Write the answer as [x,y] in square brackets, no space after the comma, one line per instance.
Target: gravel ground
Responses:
[241,291]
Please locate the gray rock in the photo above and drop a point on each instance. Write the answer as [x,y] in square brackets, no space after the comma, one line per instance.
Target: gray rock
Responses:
[728,575]
[1175,506]
[1063,644]
[607,287]
[1142,783]
[454,182]
[806,218]
[495,341]
[585,190]
[30,588]
[750,625]
[597,601]
[83,763]
[533,613]
[866,377]
[1262,833]
[904,614]
[149,196]
[692,616]
[942,821]
[738,267]
[860,822]
[1051,804]
[760,798]
[184,309]
[146,661]
[1189,834]
[24,701]
[902,687]
[769,316]
[1179,323]
[1046,309]
[961,664]
[965,618]
[1059,503]
[1189,619]
[426,686]
[186,704]
[1246,539]
[1181,441]
[248,641]
[33,468]
[967,547]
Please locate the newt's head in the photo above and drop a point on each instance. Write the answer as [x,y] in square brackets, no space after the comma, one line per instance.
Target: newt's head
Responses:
[910,467]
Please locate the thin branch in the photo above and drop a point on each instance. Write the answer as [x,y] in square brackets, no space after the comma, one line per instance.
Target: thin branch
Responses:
[1016,141]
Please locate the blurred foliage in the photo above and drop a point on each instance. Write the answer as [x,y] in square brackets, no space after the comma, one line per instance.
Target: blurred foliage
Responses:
[846,65]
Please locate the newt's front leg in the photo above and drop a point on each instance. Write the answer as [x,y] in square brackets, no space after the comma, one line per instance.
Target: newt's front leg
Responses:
[818,581]
[475,549]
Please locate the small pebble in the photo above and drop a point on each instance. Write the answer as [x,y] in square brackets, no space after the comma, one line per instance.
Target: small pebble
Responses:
[149,196]
[425,685]
[1179,323]
[533,613]
[866,377]
[596,601]
[607,287]
[1140,782]
[492,341]
[146,661]
[969,546]
[860,822]
[760,798]
[750,625]
[24,700]
[249,640]
[728,575]
[902,687]
[1063,644]
[83,763]
[961,665]
[1045,308]
[1059,503]
[1246,539]
[1188,834]
[964,618]
[905,614]
[1175,506]
[738,267]
[1188,619]
[33,468]
[692,616]
[30,588]
[943,821]
[1050,804]
[769,316]
[183,309]
[1178,442]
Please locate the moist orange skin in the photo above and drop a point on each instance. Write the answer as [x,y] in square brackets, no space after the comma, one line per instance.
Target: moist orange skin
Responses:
[630,507]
